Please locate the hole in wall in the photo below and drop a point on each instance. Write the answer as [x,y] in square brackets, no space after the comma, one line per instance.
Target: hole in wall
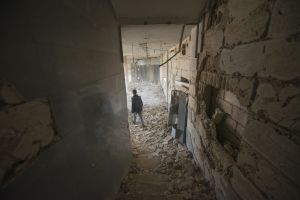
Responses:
[183,51]
[184,80]
[226,128]
[210,96]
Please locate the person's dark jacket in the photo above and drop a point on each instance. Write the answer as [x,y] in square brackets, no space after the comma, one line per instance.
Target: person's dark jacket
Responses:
[136,104]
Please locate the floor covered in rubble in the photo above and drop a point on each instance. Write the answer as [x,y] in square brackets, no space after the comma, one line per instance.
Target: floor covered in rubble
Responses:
[162,168]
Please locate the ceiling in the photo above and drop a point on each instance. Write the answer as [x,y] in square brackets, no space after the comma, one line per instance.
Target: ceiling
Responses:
[158,11]
[151,26]
[143,41]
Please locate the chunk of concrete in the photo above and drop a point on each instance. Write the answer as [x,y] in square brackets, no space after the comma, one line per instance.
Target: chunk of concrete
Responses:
[231,98]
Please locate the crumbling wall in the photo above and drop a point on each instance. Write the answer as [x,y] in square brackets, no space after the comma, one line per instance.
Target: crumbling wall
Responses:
[69,51]
[244,99]
[177,68]
[26,129]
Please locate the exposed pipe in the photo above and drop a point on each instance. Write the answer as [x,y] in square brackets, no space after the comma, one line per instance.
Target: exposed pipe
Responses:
[179,50]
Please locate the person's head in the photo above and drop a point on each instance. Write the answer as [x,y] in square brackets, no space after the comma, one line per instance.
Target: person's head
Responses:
[134,92]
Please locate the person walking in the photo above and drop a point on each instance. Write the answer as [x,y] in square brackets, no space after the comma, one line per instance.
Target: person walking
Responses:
[137,107]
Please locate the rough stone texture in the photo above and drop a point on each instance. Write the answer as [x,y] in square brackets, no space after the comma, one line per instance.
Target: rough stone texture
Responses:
[275,146]
[244,59]
[218,116]
[267,177]
[25,130]
[251,73]
[223,189]
[240,130]
[243,186]
[248,21]
[240,116]
[244,91]
[264,58]
[225,106]
[213,41]
[279,106]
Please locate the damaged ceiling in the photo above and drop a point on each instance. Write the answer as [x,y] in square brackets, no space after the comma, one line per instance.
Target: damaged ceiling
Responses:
[160,24]
[142,41]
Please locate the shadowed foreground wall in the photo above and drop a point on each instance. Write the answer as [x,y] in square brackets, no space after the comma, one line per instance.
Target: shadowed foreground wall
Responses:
[68,51]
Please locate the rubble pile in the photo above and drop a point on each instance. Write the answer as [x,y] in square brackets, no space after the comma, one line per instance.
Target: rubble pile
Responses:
[26,128]
[162,168]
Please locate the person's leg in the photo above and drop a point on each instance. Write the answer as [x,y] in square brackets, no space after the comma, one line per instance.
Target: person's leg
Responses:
[134,118]
[141,117]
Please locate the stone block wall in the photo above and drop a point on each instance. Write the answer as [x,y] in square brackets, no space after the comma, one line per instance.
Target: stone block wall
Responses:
[244,99]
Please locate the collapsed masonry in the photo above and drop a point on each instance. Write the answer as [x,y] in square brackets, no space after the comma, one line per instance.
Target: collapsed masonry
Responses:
[243,110]
[26,128]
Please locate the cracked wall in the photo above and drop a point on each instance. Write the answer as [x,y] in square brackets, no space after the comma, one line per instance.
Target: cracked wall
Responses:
[26,130]
[244,99]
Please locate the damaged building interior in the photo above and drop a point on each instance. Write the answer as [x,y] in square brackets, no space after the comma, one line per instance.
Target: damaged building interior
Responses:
[220,84]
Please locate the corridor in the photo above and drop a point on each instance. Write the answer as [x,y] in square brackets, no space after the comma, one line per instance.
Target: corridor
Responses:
[220,81]
[162,168]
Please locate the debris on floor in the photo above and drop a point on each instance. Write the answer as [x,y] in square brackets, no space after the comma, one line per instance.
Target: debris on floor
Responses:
[162,168]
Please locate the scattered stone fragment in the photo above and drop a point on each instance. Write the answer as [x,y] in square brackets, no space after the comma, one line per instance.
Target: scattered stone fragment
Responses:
[162,167]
